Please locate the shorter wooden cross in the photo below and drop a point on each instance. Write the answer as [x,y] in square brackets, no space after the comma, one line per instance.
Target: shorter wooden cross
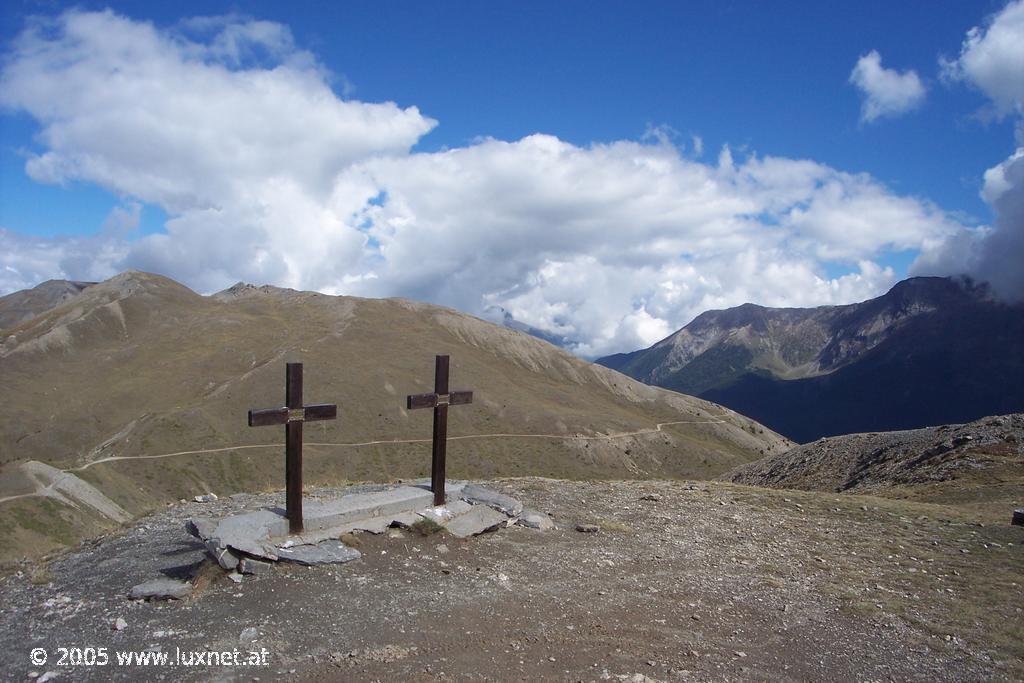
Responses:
[292,415]
[439,400]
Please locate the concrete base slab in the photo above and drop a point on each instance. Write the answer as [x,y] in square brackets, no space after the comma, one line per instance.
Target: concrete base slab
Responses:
[359,506]
[450,510]
[476,521]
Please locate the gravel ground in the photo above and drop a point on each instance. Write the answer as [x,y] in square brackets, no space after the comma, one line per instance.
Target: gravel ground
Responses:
[683,581]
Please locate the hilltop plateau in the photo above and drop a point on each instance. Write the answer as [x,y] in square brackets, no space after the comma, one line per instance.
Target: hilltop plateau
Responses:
[139,387]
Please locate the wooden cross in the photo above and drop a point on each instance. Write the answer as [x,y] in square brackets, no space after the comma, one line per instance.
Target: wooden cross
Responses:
[439,400]
[292,415]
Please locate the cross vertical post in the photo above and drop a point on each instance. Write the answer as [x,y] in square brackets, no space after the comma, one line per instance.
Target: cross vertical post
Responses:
[293,448]
[439,400]
[292,415]
[439,449]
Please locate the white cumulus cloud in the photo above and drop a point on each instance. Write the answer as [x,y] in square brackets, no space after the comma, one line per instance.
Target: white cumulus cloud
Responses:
[886,92]
[268,176]
[992,60]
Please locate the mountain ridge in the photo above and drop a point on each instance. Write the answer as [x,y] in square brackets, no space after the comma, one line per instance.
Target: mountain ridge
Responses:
[819,371]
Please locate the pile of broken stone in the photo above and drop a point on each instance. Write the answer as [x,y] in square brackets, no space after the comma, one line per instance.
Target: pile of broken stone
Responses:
[250,542]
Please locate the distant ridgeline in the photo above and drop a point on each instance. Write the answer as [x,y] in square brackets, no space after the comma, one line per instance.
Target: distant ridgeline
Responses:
[930,351]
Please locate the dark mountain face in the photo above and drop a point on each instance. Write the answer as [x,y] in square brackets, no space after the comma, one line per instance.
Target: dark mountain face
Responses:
[930,351]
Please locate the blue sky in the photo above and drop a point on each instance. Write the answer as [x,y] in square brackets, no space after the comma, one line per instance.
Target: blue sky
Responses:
[597,85]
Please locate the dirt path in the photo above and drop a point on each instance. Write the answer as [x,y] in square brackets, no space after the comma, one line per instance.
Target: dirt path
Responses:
[684,582]
[225,449]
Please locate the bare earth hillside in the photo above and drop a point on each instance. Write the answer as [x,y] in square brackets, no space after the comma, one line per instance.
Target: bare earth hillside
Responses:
[979,465]
[140,387]
[699,581]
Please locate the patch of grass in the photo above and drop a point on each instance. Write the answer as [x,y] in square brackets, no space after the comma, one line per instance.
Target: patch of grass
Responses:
[426,527]
[40,574]
[207,572]
[351,540]
[612,525]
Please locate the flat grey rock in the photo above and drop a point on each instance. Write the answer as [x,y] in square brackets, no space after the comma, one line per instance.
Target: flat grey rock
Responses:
[535,520]
[356,507]
[249,565]
[478,520]
[160,589]
[325,552]
[474,493]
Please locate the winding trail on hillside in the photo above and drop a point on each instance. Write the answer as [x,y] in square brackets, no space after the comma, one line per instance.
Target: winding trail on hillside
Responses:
[357,444]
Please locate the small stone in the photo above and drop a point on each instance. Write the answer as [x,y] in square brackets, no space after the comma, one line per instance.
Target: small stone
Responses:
[1018,517]
[532,519]
[740,654]
[653,497]
[120,624]
[587,528]
[248,635]
[206,498]
[235,576]
[442,549]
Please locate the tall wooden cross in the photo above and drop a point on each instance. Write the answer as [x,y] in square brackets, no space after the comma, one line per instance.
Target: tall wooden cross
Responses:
[292,415]
[439,400]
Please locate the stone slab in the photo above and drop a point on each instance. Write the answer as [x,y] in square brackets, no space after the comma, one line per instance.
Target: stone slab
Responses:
[478,520]
[225,558]
[160,589]
[474,493]
[406,519]
[535,520]
[325,552]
